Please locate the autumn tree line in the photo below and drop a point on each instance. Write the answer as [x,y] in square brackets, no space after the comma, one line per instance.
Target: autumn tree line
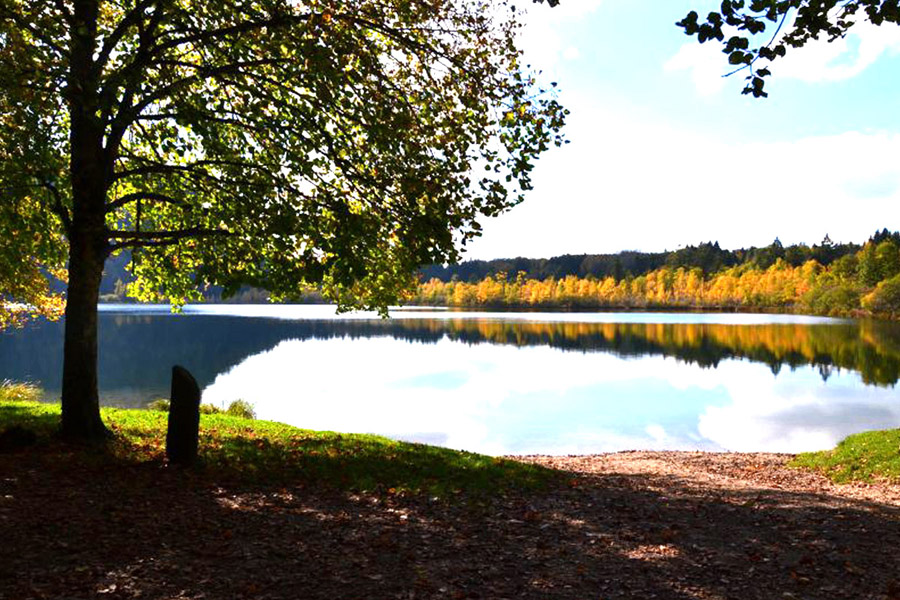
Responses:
[826,279]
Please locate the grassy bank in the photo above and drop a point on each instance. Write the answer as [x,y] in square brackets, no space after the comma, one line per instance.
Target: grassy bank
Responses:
[268,453]
[273,453]
[868,456]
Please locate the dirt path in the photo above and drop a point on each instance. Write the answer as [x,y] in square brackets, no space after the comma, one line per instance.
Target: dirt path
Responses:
[628,525]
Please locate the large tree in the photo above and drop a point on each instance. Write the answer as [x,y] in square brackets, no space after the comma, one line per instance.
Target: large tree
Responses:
[274,143]
[754,33]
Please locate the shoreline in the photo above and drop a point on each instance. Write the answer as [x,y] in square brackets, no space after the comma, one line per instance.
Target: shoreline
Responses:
[856,314]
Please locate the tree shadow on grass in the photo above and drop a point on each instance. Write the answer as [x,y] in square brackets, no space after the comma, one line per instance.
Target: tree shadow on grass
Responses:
[127,531]
[44,423]
[366,463]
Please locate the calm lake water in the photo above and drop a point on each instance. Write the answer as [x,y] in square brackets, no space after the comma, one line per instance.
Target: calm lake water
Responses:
[504,383]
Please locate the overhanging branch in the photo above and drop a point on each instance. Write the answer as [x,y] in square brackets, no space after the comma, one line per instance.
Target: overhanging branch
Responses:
[174,235]
[151,196]
[148,239]
[23,23]
[58,207]
[132,19]
[141,244]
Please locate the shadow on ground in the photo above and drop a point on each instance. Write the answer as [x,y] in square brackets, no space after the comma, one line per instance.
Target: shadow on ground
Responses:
[144,531]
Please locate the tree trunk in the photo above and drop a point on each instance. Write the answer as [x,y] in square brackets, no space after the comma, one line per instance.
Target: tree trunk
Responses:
[88,243]
[80,397]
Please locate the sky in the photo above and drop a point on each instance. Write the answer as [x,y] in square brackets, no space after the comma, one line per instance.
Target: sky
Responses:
[664,152]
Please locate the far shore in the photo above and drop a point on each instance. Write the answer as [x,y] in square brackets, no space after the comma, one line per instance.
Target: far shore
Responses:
[550,309]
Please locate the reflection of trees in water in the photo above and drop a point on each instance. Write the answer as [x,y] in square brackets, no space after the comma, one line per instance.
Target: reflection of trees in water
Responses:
[138,351]
[868,347]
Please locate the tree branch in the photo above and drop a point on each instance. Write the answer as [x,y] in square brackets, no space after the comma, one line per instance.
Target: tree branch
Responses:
[206,116]
[109,91]
[24,24]
[58,207]
[193,168]
[66,13]
[398,36]
[768,45]
[133,112]
[146,54]
[152,196]
[174,235]
[134,17]
[151,169]
[141,244]
[222,32]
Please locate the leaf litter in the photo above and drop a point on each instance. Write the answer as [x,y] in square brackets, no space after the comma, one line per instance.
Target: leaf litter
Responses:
[627,525]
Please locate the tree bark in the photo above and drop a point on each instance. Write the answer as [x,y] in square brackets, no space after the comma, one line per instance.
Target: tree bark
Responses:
[80,396]
[88,239]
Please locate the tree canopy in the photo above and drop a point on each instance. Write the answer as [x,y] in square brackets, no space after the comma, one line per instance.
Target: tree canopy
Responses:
[25,290]
[755,33]
[318,141]
[273,143]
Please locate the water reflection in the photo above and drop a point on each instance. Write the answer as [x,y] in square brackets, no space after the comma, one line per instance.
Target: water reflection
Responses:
[501,383]
[503,399]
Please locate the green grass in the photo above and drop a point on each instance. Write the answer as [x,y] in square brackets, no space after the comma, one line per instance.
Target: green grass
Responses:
[267,453]
[869,456]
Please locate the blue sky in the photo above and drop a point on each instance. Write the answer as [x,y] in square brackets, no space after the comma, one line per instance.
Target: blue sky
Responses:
[664,152]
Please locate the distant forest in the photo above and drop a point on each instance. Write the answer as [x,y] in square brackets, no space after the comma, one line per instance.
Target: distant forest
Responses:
[708,257]
[825,278]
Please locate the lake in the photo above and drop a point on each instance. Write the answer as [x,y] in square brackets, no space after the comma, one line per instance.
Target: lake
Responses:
[504,383]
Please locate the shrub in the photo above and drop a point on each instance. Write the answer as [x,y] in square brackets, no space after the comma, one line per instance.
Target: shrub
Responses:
[238,408]
[18,392]
[242,409]
[885,298]
[832,299]
[159,405]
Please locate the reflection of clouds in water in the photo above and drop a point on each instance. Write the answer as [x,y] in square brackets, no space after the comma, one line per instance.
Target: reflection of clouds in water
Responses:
[359,386]
[504,399]
[797,412]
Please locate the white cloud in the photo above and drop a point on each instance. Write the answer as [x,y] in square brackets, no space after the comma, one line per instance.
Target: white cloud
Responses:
[818,61]
[636,177]
[564,11]
[705,63]
[841,59]
[544,45]
[632,181]
[571,53]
